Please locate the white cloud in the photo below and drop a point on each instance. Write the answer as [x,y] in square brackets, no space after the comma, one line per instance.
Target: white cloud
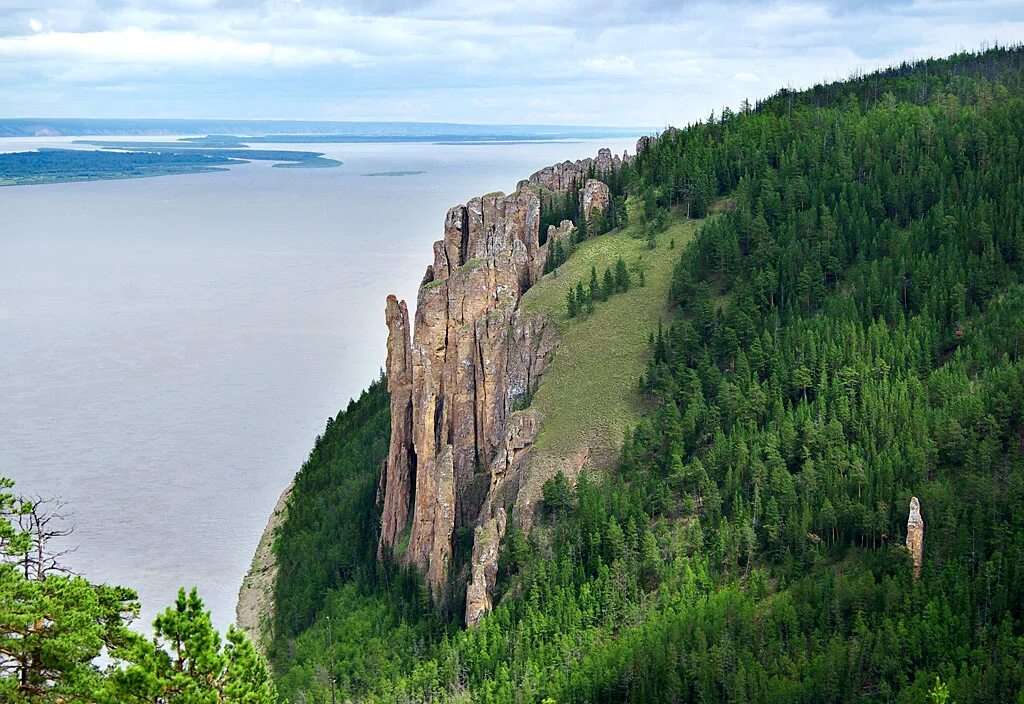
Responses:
[641,62]
[615,66]
[134,46]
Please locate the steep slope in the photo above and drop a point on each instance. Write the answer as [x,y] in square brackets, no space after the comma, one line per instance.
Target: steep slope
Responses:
[839,370]
[254,613]
[587,399]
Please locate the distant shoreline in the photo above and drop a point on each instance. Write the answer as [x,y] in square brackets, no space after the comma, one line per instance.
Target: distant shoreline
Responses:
[122,160]
[312,130]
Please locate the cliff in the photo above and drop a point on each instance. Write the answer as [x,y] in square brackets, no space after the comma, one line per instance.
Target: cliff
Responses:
[255,609]
[462,372]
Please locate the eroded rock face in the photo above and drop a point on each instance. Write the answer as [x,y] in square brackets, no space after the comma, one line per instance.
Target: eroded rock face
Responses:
[915,535]
[486,540]
[570,174]
[456,378]
[594,197]
[471,358]
[563,233]
[400,469]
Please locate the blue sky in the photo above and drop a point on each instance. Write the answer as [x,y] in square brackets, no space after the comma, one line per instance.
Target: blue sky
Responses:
[648,63]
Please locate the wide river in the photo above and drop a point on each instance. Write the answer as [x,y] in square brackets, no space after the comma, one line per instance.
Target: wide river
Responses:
[171,346]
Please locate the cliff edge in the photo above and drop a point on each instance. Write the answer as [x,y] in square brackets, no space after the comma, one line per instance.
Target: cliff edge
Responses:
[464,369]
[255,609]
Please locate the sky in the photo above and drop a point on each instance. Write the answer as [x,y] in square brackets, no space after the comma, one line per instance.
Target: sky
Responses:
[647,63]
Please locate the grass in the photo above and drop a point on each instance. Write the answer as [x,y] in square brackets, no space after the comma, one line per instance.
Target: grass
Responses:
[588,396]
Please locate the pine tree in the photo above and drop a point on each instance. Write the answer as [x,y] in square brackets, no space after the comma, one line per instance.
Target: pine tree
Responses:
[621,275]
[607,284]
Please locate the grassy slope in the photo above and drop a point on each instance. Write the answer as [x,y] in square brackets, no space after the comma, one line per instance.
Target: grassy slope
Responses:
[588,395]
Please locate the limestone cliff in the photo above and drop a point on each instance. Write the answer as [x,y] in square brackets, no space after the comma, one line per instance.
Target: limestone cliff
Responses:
[461,374]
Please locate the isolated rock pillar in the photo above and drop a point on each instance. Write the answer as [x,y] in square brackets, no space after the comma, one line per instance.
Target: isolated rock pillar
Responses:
[915,535]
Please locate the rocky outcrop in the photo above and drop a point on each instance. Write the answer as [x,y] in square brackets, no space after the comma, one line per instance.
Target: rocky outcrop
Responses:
[461,375]
[254,611]
[570,174]
[466,365]
[594,197]
[915,536]
[398,474]
[486,540]
[563,233]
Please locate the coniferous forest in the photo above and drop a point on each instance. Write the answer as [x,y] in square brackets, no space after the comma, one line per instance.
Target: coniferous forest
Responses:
[846,333]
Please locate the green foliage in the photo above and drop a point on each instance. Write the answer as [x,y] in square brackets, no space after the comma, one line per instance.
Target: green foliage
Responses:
[557,493]
[54,628]
[327,560]
[846,335]
[330,535]
[556,256]
[612,281]
[187,663]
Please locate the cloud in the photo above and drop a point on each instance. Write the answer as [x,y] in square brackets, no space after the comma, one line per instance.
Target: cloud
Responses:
[615,66]
[640,63]
[134,46]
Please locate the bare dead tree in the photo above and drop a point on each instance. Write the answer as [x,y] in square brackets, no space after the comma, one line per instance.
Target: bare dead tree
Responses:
[45,521]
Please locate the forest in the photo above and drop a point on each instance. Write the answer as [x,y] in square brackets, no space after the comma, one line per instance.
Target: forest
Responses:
[845,333]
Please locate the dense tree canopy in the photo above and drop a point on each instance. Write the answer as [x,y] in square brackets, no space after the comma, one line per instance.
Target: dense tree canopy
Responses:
[846,334]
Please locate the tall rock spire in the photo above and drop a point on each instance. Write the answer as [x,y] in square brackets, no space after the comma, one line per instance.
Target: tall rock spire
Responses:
[915,535]
[400,471]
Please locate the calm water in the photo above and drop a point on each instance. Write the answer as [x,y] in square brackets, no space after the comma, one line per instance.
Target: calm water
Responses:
[171,346]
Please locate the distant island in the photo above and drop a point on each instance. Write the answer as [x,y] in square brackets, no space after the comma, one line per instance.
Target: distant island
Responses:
[120,160]
[219,146]
[396,173]
[63,165]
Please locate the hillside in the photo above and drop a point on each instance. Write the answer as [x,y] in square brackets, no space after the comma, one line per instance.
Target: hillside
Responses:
[841,338]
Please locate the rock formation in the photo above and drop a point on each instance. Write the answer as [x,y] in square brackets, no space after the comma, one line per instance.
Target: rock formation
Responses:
[915,535]
[254,612]
[570,174]
[594,196]
[463,370]
[457,377]
[398,474]
[484,566]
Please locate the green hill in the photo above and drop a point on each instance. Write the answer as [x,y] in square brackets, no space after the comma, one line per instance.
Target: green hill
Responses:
[844,335]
